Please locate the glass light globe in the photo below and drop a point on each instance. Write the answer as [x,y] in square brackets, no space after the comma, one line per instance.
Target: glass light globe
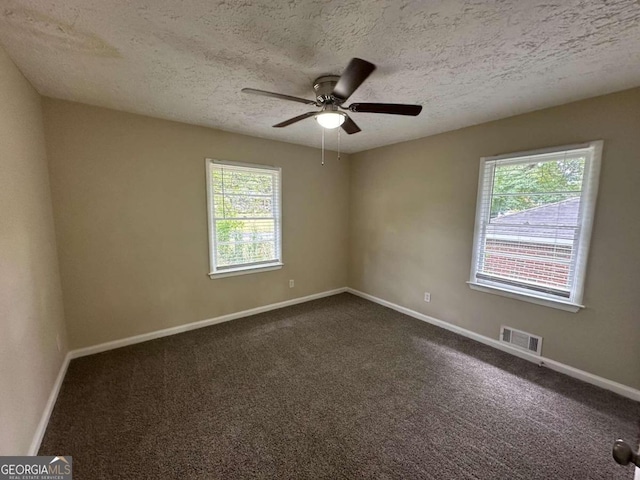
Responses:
[330,119]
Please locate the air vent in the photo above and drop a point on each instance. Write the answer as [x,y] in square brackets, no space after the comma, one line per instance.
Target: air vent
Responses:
[521,340]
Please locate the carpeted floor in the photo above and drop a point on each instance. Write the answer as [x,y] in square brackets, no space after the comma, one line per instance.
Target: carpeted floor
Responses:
[335,388]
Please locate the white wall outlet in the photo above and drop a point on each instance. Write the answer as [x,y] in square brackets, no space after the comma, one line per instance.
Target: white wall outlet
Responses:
[292,283]
[58,342]
[427,297]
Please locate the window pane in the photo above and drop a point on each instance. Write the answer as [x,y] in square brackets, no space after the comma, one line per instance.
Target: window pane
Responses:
[245,230]
[245,215]
[242,181]
[245,253]
[530,262]
[523,186]
[241,241]
[232,205]
[533,225]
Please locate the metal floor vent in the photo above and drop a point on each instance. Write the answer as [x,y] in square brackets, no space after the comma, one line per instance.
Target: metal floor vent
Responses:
[522,340]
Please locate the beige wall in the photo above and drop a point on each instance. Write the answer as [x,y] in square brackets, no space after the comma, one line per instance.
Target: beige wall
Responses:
[31,312]
[412,209]
[130,208]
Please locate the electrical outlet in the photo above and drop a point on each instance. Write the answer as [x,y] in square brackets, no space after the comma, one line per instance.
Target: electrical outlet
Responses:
[58,342]
[292,283]
[427,297]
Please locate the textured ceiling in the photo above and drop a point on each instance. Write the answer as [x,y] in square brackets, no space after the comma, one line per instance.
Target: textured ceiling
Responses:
[466,61]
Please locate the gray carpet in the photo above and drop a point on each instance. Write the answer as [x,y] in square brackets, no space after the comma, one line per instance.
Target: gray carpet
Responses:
[335,388]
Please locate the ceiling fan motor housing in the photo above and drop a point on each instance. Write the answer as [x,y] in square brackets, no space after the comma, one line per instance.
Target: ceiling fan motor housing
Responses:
[323,86]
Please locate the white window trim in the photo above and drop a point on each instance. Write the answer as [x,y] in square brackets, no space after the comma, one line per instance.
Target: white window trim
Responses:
[586,216]
[214,272]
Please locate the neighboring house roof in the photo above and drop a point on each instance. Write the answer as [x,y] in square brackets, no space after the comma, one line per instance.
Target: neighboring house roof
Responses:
[531,223]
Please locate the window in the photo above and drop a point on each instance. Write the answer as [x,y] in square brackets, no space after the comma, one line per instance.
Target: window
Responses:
[533,224]
[244,218]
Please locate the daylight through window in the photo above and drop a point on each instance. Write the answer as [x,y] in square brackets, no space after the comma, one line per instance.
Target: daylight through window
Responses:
[244,217]
[533,222]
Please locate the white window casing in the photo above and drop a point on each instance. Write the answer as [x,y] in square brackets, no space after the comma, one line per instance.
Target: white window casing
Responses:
[538,254]
[244,205]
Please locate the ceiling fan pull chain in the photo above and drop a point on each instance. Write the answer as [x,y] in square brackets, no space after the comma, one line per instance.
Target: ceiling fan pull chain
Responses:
[338,144]
[323,146]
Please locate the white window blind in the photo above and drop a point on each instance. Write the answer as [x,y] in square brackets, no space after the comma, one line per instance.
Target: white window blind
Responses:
[533,222]
[244,217]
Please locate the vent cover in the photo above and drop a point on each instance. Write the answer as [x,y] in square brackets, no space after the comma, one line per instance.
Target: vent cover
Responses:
[522,340]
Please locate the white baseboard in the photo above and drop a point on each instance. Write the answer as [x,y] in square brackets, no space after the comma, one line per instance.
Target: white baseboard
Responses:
[123,342]
[618,388]
[46,414]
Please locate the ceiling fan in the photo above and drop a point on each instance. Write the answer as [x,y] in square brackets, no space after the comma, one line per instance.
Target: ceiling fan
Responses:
[331,93]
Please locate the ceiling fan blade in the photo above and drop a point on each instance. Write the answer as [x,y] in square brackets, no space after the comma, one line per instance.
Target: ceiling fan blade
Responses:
[286,123]
[390,108]
[264,93]
[350,126]
[356,72]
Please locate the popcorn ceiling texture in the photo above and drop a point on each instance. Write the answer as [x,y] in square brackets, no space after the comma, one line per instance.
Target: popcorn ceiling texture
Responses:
[466,61]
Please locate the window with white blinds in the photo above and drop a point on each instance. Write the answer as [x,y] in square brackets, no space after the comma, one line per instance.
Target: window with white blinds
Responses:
[244,217]
[533,224]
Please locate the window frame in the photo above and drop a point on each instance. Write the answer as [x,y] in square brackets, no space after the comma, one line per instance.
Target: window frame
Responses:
[216,272]
[586,214]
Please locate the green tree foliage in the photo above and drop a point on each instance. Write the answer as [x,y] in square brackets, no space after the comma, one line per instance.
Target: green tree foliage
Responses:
[527,185]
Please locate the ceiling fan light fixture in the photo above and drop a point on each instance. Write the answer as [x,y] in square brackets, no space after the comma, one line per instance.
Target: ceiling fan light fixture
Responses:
[330,119]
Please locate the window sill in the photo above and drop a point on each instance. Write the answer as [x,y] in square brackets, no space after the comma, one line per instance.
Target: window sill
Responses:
[526,297]
[232,272]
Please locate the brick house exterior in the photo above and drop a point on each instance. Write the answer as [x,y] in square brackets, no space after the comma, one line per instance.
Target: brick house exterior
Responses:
[524,247]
